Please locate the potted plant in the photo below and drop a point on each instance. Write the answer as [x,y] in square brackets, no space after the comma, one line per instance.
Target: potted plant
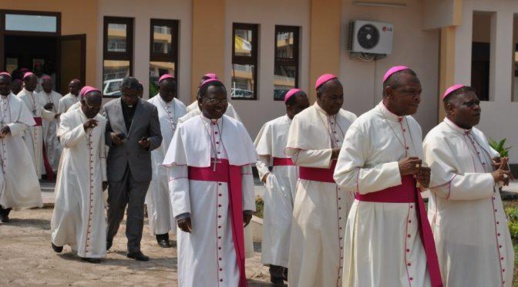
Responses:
[500,147]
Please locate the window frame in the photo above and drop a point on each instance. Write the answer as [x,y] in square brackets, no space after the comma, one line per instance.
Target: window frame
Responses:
[295,60]
[253,59]
[119,56]
[172,56]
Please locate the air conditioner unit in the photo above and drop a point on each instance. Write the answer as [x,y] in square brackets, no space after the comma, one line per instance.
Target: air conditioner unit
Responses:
[370,37]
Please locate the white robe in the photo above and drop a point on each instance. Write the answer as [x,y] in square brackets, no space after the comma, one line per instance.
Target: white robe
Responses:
[49,129]
[206,257]
[19,186]
[382,242]
[158,202]
[66,102]
[78,219]
[33,136]
[193,110]
[280,191]
[320,208]
[474,246]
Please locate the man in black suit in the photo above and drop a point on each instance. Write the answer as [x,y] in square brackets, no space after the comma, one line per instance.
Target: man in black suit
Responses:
[132,132]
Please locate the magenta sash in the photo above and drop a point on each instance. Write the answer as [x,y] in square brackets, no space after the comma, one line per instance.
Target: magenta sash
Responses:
[408,193]
[318,174]
[282,161]
[232,175]
[38,121]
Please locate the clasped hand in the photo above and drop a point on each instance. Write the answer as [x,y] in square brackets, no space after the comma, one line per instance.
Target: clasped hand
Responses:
[414,166]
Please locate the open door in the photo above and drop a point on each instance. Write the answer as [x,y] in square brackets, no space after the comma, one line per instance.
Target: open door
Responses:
[72,56]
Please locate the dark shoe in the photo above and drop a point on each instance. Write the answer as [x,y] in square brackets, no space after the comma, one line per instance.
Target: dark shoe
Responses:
[91,260]
[109,244]
[4,214]
[277,281]
[163,240]
[139,256]
[285,274]
[57,249]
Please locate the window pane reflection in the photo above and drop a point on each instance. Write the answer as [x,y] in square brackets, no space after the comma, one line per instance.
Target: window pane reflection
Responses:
[243,42]
[284,45]
[157,69]
[113,74]
[162,38]
[117,37]
[283,80]
[30,23]
[242,82]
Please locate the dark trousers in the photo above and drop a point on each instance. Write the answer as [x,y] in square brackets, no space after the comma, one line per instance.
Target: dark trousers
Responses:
[133,194]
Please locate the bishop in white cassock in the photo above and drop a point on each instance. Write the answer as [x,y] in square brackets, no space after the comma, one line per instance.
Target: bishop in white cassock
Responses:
[52,151]
[78,219]
[16,162]
[212,192]
[160,214]
[465,209]
[33,136]
[71,98]
[280,185]
[320,208]
[388,241]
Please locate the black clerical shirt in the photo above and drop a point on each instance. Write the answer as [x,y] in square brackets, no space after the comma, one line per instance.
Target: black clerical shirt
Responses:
[128,113]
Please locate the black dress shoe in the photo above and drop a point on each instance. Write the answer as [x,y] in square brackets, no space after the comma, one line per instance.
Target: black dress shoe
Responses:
[91,260]
[139,256]
[109,244]
[56,249]
[164,243]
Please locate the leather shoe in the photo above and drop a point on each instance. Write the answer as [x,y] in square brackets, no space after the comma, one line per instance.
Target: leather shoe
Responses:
[139,256]
[56,249]
[164,243]
[91,260]
[109,244]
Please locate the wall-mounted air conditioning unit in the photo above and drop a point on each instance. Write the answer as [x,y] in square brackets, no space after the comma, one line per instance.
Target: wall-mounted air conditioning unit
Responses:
[370,37]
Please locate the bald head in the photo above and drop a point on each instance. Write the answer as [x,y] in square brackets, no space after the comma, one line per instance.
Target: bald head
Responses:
[5,85]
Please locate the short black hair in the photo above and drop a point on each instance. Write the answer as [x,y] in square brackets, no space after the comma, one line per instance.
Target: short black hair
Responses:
[130,83]
[293,99]
[171,81]
[394,81]
[203,88]
[453,96]
[320,88]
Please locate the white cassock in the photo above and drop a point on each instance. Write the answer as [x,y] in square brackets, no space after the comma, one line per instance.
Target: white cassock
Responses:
[280,190]
[382,243]
[193,110]
[78,219]
[207,256]
[19,186]
[231,112]
[158,202]
[49,129]
[66,102]
[33,136]
[320,207]
[465,209]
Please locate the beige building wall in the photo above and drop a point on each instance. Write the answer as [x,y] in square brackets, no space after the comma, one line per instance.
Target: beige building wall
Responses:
[77,17]
[412,46]
[499,114]
[142,14]
[267,13]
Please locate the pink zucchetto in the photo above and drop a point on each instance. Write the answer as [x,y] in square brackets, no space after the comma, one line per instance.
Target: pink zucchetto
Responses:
[451,90]
[28,74]
[393,70]
[290,93]
[46,77]
[87,89]
[209,81]
[211,76]
[5,74]
[165,76]
[324,79]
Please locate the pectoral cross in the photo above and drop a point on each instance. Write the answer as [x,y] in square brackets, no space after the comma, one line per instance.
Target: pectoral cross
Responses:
[215,161]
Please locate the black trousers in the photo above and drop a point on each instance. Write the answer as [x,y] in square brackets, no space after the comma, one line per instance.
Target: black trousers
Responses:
[132,194]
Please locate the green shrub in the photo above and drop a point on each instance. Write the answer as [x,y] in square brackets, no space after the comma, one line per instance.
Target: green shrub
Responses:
[259,207]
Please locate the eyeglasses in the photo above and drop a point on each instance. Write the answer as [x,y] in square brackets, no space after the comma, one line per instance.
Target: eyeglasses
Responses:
[214,101]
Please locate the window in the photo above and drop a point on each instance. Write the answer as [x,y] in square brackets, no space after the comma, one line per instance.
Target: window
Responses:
[117,52]
[515,59]
[286,67]
[481,54]
[31,23]
[244,61]
[163,52]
